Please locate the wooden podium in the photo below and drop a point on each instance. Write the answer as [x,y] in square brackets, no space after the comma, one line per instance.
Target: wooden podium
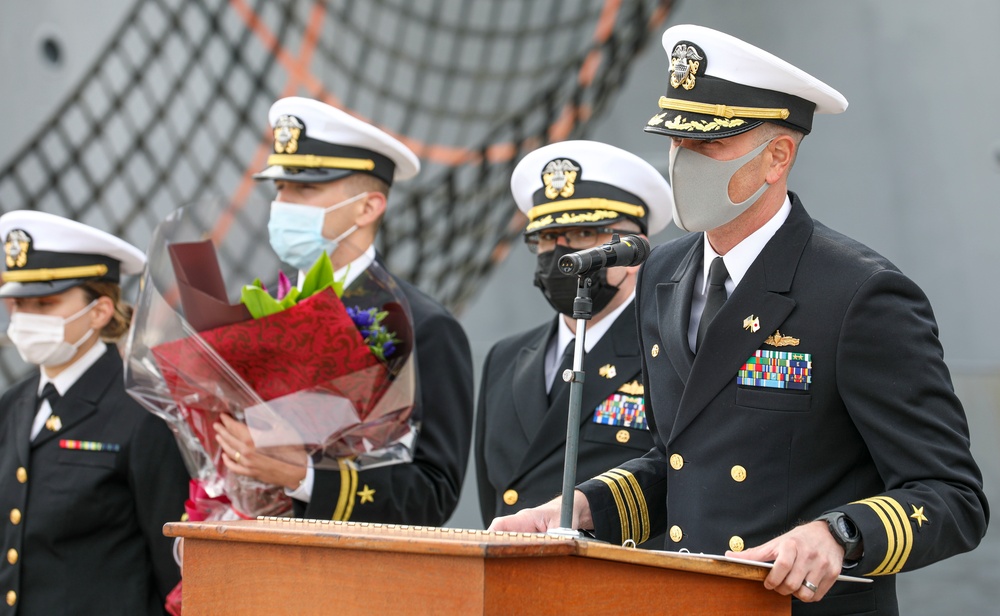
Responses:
[287,566]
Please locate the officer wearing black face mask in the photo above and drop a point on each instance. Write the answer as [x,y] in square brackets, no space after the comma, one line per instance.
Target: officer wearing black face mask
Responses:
[575,194]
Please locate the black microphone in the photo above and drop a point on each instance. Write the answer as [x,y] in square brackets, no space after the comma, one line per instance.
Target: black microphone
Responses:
[629,250]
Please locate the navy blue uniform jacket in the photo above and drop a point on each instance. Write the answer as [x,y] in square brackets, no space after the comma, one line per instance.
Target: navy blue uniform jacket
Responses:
[87,526]
[879,434]
[521,442]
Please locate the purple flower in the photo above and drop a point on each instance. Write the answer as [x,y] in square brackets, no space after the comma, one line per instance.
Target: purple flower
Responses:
[362,318]
[284,285]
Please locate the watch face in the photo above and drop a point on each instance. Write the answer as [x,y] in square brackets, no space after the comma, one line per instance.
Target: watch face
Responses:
[847,528]
[842,527]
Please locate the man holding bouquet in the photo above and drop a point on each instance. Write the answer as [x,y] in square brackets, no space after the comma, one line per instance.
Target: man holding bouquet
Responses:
[332,173]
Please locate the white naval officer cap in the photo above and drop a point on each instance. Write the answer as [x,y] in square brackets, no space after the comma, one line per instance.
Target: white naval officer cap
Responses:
[47,254]
[720,86]
[588,183]
[315,142]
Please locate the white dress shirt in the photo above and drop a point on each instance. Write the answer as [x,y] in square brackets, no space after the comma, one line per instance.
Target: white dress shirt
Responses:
[63,381]
[738,260]
[557,345]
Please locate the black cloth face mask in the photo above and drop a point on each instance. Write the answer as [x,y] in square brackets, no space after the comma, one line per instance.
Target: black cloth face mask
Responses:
[560,289]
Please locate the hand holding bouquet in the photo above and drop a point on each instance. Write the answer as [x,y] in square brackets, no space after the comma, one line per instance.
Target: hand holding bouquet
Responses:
[313,380]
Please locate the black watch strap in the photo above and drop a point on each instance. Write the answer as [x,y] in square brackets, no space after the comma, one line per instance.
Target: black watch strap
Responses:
[846,533]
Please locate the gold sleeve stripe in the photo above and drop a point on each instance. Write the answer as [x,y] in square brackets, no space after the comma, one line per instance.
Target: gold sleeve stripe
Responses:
[590,203]
[899,535]
[633,512]
[348,486]
[725,111]
[631,486]
[619,503]
[313,161]
[56,273]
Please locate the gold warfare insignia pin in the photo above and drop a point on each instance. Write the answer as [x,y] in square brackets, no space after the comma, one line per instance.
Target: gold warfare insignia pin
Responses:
[559,177]
[16,248]
[53,423]
[751,323]
[287,131]
[776,339]
[608,371]
[684,64]
[634,388]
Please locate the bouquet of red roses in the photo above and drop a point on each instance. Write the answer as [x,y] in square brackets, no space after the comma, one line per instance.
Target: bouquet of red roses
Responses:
[303,371]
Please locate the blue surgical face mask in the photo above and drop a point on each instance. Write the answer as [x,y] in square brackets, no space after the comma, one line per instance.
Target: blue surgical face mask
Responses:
[296,232]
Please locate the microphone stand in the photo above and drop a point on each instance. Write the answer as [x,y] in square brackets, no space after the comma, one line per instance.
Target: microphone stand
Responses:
[582,312]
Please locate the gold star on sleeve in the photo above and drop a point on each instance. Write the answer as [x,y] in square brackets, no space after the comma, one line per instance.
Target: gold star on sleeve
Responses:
[918,515]
[366,495]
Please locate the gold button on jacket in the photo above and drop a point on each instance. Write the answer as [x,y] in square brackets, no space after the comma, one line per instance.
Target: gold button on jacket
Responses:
[22,474]
[676,534]
[510,497]
[12,556]
[677,461]
[655,350]
[15,516]
[622,436]
[736,543]
[739,473]
[11,597]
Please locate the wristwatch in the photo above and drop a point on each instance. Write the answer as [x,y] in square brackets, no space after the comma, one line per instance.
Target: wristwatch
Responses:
[846,533]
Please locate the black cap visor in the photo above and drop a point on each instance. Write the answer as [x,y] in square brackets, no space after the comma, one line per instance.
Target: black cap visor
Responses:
[39,289]
[303,175]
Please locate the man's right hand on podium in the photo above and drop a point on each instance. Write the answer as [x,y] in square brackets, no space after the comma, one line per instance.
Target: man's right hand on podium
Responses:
[544,517]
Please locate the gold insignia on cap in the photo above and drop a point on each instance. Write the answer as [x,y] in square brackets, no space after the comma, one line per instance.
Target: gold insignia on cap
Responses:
[16,248]
[681,123]
[918,515]
[608,371]
[633,388]
[366,495]
[684,64]
[776,339]
[53,423]
[657,119]
[559,177]
[287,131]
[751,323]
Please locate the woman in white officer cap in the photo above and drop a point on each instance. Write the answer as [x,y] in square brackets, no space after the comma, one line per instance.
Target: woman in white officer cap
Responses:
[87,477]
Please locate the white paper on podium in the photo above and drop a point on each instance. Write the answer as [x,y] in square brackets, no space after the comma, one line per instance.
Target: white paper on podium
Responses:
[757,563]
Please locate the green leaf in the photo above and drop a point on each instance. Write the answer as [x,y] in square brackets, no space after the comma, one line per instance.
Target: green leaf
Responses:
[290,298]
[259,302]
[319,277]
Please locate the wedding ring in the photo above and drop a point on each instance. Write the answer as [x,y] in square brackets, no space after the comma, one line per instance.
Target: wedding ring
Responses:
[809,585]
[238,455]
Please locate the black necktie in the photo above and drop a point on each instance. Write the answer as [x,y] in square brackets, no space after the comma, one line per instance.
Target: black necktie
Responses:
[717,274]
[565,364]
[50,393]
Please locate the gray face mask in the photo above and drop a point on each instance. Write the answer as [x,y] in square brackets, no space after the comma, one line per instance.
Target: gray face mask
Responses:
[701,188]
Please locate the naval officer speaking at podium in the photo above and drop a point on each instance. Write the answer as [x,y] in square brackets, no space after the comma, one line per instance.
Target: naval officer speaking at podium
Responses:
[796,391]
